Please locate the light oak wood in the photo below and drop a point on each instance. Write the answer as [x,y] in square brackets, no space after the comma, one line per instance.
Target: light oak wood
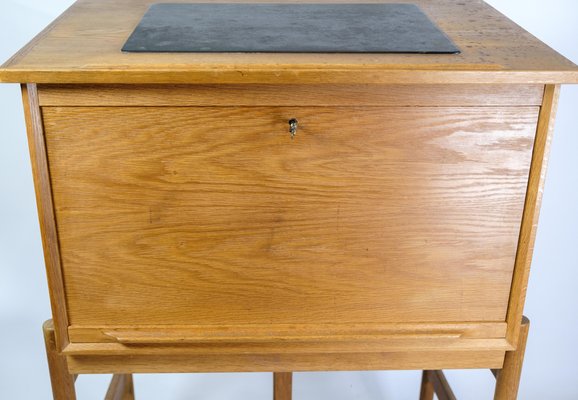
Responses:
[527,238]
[62,380]
[282,386]
[197,215]
[447,359]
[324,346]
[283,332]
[296,95]
[45,207]
[508,379]
[84,47]
[121,388]
[184,230]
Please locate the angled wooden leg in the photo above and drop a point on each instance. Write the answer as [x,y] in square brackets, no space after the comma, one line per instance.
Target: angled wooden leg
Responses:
[282,385]
[441,386]
[508,378]
[62,381]
[121,388]
[435,382]
[427,390]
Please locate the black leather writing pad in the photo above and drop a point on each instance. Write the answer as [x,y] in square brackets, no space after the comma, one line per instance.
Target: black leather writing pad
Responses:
[288,28]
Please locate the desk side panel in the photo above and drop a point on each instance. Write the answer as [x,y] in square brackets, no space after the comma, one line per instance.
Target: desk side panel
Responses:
[46,216]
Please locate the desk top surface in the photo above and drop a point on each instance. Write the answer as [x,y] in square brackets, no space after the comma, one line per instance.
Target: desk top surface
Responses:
[84,46]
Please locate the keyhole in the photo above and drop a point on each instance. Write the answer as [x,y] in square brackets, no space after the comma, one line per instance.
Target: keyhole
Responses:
[293,123]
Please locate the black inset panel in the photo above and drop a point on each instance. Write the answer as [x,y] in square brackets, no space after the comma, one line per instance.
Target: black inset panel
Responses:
[288,28]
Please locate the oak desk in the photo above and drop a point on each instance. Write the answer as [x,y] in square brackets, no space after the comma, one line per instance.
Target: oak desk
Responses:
[287,212]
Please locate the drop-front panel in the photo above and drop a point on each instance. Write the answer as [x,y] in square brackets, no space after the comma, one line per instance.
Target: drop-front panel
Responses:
[384,217]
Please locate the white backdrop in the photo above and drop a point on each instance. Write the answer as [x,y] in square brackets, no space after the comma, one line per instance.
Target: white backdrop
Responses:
[551,363]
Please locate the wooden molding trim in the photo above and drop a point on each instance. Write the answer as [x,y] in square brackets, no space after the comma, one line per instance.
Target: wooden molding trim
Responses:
[296,333]
[183,363]
[413,75]
[84,48]
[350,347]
[297,95]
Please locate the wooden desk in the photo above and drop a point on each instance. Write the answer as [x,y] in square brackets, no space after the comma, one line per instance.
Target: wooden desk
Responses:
[186,229]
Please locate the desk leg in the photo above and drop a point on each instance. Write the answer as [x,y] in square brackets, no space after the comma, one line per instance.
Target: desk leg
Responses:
[121,388]
[508,378]
[62,381]
[282,385]
[435,382]
[427,388]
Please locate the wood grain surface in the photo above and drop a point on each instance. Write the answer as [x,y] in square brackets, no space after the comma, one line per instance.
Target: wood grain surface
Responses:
[447,359]
[266,333]
[84,46]
[296,95]
[324,346]
[286,339]
[213,215]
